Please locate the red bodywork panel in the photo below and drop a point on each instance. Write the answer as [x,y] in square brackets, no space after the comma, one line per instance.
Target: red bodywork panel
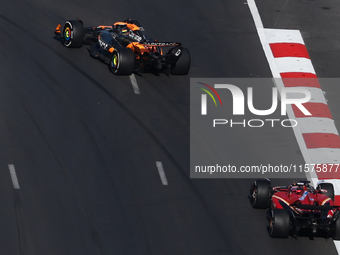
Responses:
[291,196]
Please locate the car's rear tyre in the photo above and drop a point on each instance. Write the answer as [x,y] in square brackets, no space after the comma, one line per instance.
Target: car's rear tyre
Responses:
[336,230]
[329,189]
[279,225]
[73,34]
[182,66]
[260,193]
[122,61]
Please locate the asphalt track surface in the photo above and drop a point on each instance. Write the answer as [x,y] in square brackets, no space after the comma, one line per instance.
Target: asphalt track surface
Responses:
[84,146]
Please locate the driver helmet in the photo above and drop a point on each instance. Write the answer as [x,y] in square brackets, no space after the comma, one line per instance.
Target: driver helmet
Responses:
[297,188]
[125,31]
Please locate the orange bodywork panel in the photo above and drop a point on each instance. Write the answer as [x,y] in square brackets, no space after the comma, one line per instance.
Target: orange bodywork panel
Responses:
[119,23]
[139,48]
[133,27]
[103,27]
[57,29]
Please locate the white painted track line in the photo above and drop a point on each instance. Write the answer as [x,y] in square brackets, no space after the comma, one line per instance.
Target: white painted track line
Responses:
[134,84]
[161,172]
[263,39]
[13,176]
[337,245]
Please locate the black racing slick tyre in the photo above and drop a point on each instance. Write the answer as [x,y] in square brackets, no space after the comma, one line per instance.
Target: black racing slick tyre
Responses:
[328,189]
[279,225]
[336,230]
[73,34]
[122,61]
[260,194]
[182,66]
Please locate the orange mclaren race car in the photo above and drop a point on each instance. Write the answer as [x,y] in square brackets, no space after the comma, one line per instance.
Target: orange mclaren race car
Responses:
[125,47]
[298,208]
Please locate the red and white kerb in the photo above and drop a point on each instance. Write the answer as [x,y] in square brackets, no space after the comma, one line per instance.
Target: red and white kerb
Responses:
[321,141]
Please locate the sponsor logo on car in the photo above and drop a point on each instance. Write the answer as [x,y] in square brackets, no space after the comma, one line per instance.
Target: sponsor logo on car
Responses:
[103,44]
[160,43]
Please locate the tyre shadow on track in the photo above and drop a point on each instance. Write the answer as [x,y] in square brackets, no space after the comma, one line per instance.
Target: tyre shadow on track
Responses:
[303,233]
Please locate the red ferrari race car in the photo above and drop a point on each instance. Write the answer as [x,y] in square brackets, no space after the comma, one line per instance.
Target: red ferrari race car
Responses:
[297,207]
[125,48]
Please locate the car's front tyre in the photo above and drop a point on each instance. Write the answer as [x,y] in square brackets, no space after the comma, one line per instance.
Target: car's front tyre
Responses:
[73,34]
[328,189]
[260,194]
[336,229]
[122,61]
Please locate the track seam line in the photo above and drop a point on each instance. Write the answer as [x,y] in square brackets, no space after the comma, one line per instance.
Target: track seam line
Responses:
[14,176]
[161,172]
[134,83]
